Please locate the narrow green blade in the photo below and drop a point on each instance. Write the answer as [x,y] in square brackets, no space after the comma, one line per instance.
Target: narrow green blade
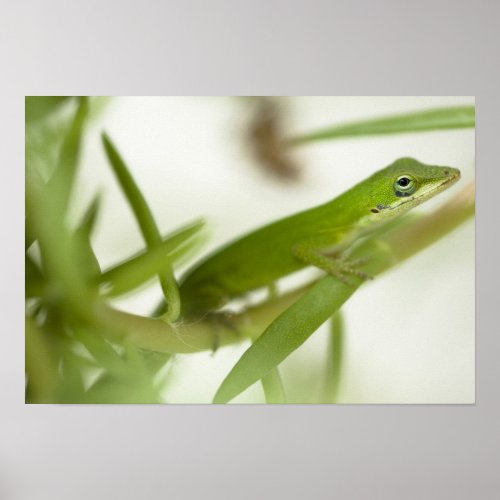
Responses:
[61,182]
[133,194]
[34,280]
[274,390]
[89,264]
[334,354]
[38,107]
[146,224]
[285,334]
[422,121]
[135,271]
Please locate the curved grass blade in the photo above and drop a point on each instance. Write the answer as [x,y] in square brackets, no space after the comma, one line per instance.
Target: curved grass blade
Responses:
[29,236]
[61,182]
[48,203]
[101,351]
[59,185]
[422,121]
[285,334]
[41,365]
[72,388]
[132,192]
[146,223]
[34,280]
[135,271]
[274,390]
[38,107]
[89,218]
[334,359]
[90,265]
[34,186]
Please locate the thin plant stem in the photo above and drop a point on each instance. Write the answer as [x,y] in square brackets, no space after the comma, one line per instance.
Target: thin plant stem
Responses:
[334,360]
[146,224]
[274,390]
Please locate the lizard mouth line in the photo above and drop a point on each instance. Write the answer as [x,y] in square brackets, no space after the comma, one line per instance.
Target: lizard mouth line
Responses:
[440,187]
[437,189]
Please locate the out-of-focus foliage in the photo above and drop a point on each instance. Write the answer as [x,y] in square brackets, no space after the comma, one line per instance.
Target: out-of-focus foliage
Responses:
[68,356]
[38,108]
[421,121]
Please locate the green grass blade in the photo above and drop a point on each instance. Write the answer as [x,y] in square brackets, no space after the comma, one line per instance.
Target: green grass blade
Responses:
[59,186]
[89,264]
[285,334]
[48,208]
[71,389]
[155,361]
[146,223]
[135,271]
[274,390]
[89,218]
[133,194]
[101,351]
[61,182]
[41,365]
[34,280]
[38,107]
[422,121]
[33,181]
[128,374]
[29,237]
[334,359]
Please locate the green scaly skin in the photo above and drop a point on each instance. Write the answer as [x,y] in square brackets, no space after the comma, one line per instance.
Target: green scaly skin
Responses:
[320,236]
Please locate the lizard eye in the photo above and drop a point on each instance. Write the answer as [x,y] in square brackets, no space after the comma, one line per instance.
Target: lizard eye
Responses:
[405,185]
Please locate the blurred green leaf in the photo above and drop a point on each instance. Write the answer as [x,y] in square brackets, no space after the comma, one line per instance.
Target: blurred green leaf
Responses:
[146,223]
[38,107]
[102,351]
[29,237]
[33,278]
[111,390]
[34,186]
[285,334]
[421,121]
[155,361]
[89,264]
[89,218]
[334,359]
[137,270]
[132,193]
[61,182]
[40,365]
[135,386]
[127,372]
[72,389]
[273,387]
[48,203]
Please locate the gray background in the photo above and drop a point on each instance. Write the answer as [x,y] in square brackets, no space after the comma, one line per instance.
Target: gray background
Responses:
[223,48]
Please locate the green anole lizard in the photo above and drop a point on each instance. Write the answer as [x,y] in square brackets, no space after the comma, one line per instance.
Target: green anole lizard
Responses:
[320,236]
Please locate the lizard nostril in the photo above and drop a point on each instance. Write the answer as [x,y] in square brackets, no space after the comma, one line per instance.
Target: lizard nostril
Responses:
[446,172]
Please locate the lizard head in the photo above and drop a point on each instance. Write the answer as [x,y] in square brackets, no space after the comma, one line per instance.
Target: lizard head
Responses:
[406,183]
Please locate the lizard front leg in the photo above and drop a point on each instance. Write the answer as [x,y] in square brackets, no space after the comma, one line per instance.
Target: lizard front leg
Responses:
[309,251]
